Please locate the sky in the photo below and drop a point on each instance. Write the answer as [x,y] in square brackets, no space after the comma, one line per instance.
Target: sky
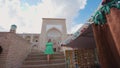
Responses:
[28,14]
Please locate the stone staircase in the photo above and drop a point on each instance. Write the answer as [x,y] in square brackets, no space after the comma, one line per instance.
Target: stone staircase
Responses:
[39,60]
[3,58]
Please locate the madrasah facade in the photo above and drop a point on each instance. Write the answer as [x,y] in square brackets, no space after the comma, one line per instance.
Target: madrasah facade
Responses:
[52,28]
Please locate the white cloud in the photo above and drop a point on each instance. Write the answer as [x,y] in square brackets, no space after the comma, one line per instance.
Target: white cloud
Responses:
[2,29]
[28,18]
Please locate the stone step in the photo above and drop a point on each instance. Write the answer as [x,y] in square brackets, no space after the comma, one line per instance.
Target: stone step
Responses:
[41,54]
[3,53]
[56,65]
[4,58]
[35,55]
[38,55]
[38,62]
[44,57]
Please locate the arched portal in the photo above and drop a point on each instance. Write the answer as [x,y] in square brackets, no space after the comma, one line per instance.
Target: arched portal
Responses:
[55,35]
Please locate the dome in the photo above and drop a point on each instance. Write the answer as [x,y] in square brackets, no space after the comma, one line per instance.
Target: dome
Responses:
[13,27]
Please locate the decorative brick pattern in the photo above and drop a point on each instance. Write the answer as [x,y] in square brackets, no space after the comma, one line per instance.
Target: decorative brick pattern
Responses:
[84,58]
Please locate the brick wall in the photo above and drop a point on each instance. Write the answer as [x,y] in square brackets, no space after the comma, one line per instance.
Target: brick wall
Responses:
[15,50]
[5,47]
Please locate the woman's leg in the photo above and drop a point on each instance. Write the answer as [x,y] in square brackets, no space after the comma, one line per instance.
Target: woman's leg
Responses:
[48,58]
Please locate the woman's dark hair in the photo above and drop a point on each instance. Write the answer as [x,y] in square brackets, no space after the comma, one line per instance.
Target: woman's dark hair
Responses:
[49,40]
[1,49]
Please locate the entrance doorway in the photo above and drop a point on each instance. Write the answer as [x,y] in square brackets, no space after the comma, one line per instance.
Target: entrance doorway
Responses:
[55,36]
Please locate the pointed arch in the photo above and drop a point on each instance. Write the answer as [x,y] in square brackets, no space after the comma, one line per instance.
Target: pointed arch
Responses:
[53,34]
[53,28]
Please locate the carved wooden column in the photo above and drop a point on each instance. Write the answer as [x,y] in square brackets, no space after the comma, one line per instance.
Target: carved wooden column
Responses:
[105,46]
[113,20]
[100,47]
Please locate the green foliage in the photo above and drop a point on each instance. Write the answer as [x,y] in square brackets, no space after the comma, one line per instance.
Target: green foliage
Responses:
[99,17]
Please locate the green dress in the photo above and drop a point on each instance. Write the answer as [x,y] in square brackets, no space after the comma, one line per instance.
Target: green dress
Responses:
[49,48]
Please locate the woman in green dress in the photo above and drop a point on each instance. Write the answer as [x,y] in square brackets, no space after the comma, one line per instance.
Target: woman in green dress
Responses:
[49,49]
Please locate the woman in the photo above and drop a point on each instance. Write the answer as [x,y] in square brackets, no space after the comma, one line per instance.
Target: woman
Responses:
[49,49]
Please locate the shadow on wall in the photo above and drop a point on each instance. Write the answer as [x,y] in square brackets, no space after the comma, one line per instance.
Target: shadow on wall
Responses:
[1,49]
